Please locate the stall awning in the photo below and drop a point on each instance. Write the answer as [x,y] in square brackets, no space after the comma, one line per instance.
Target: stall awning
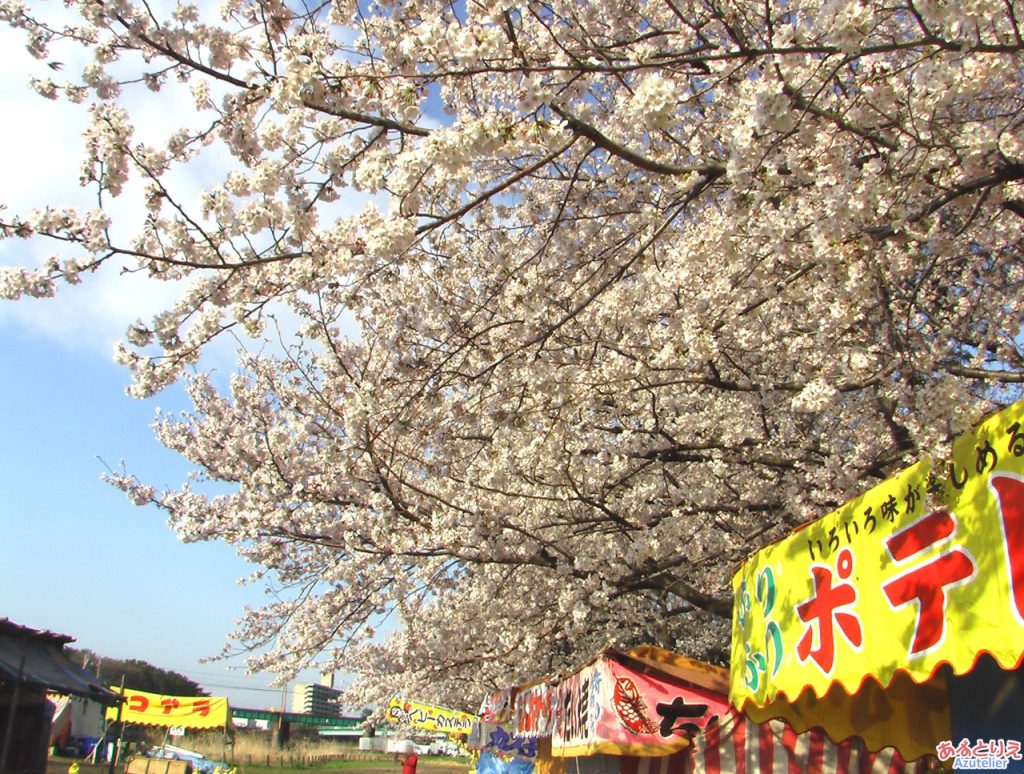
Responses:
[738,745]
[36,658]
[153,709]
[643,703]
[856,619]
[646,702]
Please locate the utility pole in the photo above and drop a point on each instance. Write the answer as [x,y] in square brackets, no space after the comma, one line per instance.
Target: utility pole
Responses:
[283,728]
[120,730]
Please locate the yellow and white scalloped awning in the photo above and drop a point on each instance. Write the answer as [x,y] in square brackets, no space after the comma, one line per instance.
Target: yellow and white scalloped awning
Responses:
[850,621]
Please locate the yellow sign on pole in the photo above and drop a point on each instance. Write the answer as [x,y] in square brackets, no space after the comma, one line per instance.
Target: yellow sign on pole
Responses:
[925,569]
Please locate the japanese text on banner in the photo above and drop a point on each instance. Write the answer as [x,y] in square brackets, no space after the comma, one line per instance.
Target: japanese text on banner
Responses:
[158,710]
[893,579]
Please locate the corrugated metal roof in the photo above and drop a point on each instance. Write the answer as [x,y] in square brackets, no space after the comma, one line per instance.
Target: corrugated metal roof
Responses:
[37,657]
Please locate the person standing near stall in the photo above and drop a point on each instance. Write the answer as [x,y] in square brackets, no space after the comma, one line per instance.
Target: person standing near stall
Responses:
[409,760]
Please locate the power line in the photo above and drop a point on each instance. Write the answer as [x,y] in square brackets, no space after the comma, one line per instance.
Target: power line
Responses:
[239,688]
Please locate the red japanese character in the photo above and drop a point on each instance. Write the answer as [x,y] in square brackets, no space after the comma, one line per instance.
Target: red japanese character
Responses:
[963,749]
[822,612]
[1009,491]
[201,706]
[926,583]
[137,703]
[170,704]
[945,750]
[1013,749]
[981,749]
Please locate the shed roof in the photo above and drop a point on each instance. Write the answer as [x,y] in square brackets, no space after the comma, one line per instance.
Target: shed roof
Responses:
[36,657]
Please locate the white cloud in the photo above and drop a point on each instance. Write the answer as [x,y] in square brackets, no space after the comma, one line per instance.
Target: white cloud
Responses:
[41,146]
[42,150]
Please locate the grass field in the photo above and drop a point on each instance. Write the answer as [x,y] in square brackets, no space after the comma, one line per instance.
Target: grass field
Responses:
[253,753]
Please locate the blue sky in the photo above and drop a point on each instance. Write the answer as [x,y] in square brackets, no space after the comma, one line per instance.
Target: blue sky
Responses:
[75,556]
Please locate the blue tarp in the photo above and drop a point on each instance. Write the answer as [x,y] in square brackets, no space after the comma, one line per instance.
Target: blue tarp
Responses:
[197,760]
[492,764]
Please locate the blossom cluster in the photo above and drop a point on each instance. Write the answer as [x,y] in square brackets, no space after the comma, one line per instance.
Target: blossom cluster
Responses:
[638,287]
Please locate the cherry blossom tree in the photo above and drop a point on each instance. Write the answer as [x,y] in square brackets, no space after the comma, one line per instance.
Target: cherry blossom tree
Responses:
[639,286]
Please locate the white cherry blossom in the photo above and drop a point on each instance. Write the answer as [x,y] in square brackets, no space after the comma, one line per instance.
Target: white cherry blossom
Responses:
[638,288]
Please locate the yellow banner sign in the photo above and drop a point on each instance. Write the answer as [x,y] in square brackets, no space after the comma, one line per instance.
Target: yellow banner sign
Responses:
[924,569]
[157,710]
[428,717]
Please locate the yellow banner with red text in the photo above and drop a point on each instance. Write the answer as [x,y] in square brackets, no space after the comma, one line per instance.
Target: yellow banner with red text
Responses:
[927,568]
[158,710]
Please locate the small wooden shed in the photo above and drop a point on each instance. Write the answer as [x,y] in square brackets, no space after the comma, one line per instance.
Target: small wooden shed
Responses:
[31,663]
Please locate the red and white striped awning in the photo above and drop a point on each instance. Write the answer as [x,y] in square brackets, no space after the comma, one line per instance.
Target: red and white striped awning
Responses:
[737,745]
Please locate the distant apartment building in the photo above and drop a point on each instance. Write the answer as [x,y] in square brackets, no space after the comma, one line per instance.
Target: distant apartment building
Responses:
[316,699]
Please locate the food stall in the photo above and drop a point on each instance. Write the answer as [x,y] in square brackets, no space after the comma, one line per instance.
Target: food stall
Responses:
[899,617]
